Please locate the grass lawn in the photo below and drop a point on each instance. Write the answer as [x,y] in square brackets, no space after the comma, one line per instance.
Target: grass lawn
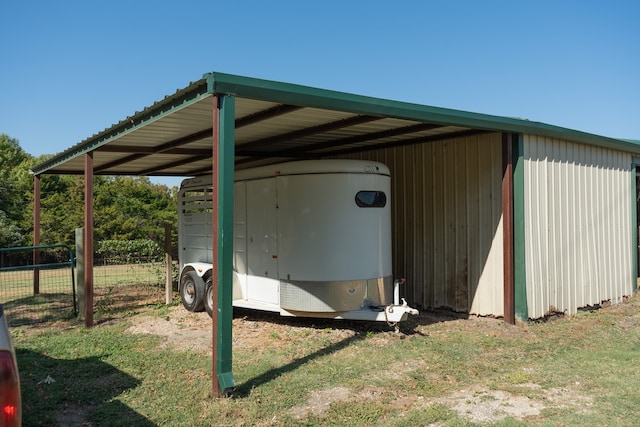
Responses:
[153,367]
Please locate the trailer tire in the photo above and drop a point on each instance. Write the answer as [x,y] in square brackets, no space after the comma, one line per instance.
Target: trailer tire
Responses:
[192,290]
[208,297]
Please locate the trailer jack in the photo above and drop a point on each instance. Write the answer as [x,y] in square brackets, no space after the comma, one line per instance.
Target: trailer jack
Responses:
[394,313]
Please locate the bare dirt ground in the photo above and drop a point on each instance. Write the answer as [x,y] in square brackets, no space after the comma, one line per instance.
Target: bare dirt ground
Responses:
[186,330]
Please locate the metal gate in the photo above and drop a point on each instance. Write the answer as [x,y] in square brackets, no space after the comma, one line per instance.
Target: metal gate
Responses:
[37,284]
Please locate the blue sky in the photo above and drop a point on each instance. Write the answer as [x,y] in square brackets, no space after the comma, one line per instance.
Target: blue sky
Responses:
[73,68]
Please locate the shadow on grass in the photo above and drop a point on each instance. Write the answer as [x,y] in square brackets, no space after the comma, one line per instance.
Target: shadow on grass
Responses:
[361,330]
[244,389]
[60,392]
[408,327]
[44,307]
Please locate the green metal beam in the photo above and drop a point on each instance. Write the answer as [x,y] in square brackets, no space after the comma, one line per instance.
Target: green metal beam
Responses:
[224,315]
[520,272]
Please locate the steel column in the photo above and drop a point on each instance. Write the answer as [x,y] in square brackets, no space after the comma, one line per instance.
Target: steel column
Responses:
[519,263]
[635,209]
[36,233]
[223,166]
[88,239]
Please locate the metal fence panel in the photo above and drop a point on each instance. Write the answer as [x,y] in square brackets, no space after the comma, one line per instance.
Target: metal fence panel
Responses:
[37,284]
[120,286]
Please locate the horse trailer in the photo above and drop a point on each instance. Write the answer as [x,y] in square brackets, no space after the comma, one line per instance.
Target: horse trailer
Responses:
[311,239]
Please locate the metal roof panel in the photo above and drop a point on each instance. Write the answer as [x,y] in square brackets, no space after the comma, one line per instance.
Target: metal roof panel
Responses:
[279,121]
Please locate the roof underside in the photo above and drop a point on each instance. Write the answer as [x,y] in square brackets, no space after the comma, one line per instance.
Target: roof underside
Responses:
[276,122]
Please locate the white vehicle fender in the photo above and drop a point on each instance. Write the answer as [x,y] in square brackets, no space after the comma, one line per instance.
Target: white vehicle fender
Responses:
[201,268]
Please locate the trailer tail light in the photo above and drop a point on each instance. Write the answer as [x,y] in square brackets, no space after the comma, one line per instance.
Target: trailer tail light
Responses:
[10,403]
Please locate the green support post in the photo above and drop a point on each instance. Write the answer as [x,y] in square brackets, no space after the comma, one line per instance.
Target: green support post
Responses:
[224,316]
[520,275]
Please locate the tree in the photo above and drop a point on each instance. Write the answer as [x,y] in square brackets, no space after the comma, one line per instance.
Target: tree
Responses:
[62,208]
[131,208]
[13,188]
[125,208]
[10,235]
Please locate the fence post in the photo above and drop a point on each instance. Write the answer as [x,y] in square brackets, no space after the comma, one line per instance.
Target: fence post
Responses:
[168,262]
[36,233]
[80,270]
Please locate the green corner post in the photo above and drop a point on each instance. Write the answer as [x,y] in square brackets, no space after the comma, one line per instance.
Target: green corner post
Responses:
[635,163]
[520,275]
[224,315]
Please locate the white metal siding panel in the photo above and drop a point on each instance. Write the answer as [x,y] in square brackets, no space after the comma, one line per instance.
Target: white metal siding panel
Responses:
[577,225]
[447,221]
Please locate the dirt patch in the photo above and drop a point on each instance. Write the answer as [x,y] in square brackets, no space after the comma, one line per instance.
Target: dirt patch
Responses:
[477,404]
[181,329]
[484,406]
[487,406]
[320,400]
[192,331]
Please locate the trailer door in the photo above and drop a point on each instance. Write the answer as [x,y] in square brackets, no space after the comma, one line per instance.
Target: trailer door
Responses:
[262,243]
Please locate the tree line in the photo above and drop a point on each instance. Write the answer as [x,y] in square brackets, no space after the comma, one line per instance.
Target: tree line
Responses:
[125,208]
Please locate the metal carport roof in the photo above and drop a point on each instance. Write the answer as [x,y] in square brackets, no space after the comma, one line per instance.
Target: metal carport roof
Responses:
[276,122]
[268,122]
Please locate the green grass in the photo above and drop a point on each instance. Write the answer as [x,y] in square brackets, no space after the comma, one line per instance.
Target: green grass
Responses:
[581,370]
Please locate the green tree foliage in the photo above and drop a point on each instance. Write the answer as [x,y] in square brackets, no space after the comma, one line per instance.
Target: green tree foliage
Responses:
[62,208]
[132,208]
[125,208]
[13,190]
[130,251]
[10,235]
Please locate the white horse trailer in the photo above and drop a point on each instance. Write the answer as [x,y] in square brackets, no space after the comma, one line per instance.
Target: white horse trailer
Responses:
[311,238]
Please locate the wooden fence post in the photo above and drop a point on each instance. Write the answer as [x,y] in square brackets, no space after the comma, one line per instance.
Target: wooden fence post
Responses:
[80,270]
[168,261]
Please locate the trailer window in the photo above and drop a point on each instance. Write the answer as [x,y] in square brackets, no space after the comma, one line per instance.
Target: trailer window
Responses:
[371,199]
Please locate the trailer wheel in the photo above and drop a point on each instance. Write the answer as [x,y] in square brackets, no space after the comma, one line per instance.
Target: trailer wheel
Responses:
[192,291]
[208,297]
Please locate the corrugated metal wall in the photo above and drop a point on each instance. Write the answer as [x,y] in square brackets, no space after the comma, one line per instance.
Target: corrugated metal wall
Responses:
[578,225]
[447,222]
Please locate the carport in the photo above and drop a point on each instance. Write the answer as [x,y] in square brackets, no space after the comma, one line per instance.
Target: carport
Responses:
[223,123]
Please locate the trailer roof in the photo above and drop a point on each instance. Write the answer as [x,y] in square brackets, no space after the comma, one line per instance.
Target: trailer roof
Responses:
[276,122]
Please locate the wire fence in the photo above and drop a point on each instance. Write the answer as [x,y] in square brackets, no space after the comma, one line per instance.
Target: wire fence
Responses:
[118,286]
[38,284]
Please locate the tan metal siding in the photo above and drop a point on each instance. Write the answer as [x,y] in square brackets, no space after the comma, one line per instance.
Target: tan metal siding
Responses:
[447,222]
[577,225]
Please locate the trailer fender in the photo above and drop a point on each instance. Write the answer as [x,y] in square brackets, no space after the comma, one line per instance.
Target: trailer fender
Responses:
[201,268]
[205,271]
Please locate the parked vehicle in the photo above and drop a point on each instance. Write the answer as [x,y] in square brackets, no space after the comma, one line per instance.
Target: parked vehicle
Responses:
[311,238]
[10,398]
